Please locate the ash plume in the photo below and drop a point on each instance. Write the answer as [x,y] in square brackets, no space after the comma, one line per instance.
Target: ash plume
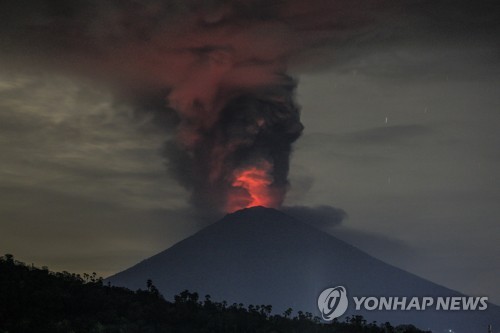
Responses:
[252,130]
[222,66]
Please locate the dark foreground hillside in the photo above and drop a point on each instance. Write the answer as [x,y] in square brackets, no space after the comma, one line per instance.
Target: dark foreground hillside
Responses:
[37,300]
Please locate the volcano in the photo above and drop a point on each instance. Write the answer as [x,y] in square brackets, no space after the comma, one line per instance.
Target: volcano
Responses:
[263,256]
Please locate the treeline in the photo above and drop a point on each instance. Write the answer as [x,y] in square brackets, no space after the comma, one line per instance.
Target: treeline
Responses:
[36,300]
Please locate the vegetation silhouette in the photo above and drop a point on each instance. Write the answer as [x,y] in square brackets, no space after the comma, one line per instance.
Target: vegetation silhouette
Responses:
[37,300]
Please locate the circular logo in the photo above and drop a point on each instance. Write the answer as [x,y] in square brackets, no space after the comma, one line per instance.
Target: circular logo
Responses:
[332,302]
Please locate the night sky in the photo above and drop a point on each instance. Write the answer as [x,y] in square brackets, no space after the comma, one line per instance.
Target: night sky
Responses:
[399,101]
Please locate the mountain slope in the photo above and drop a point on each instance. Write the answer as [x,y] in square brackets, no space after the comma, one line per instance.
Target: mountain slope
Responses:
[263,256]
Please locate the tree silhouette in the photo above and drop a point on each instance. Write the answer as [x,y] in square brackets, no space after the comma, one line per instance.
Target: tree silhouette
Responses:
[37,300]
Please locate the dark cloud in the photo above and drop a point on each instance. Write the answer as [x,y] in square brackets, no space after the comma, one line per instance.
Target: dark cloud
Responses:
[444,61]
[156,41]
[382,135]
[330,220]
[386,134]
[322,217]
[424,40]
[210,58]
[250,130]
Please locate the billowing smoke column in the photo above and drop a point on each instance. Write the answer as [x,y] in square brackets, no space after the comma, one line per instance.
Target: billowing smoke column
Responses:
[238,156]
[224,64]
[234,99]
[226,70]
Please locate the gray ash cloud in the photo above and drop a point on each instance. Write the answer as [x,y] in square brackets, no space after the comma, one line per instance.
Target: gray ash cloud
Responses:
[222,67]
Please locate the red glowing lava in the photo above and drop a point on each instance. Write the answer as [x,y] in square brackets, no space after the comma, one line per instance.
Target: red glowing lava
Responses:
[251,187]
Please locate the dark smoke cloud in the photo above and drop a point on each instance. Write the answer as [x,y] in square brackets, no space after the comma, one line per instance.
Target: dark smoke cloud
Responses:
[214,73]
[250,128]
[331,220]
[323,217]
[221,66]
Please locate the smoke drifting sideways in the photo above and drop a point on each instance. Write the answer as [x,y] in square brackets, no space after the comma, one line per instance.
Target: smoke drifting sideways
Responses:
[223,65]
[322,217]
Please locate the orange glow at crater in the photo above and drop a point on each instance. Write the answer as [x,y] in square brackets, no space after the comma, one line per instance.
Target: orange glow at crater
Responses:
[251,187]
